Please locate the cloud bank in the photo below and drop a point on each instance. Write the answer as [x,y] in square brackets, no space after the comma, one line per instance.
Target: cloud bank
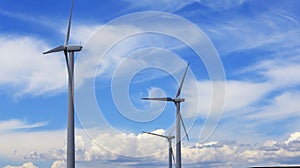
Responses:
[143,147]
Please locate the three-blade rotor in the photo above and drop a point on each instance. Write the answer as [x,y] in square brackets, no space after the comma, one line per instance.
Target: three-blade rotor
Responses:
[176,100]
[169,138]
[66,47]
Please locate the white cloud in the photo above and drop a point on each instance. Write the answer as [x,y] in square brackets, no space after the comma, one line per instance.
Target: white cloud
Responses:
[221,4]
[250,104]
[242,97]
[24,69]
[278,84]
[131,145]
[210,153]
[163,5]
[24,165]
[59,164]
[294,137]
[281,73]
[37,74]
[119,51]
[15,124]
[207,154]
[156,106]
[30,143]
[117,41]
[38,20]
[239,95]
[80,34]
[272,30]
[280,107]
[114,148]
[274,153]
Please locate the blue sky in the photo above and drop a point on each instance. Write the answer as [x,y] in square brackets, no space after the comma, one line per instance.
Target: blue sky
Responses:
[257,43]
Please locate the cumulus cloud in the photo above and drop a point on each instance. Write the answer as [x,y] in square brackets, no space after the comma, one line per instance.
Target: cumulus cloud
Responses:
[130,145]
[211,153]
[118,149]
[294,138]
[272,152]
[24,165]
[59,164]
[32,144]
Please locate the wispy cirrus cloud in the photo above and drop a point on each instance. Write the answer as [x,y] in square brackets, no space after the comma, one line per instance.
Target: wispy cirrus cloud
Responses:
[272,29]
[15,125]
[221,5]
[29,71]
[281,107]
[164,5]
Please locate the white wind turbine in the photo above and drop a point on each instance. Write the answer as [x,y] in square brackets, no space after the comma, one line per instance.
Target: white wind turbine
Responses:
[177,102]
[69,51]
[169,138]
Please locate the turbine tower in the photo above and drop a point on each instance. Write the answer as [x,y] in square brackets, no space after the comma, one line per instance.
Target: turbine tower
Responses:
[177,102]
[169,138]
[69,51]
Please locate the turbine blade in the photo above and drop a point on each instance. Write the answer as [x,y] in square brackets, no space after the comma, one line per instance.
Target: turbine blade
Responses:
[67,61]
[187,136]
[159,99]
[156,134]
[57,49]
[69,25]
[172,153]
[182,80]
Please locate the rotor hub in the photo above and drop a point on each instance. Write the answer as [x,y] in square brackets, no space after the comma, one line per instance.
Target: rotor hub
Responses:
[73,48]
[179,100]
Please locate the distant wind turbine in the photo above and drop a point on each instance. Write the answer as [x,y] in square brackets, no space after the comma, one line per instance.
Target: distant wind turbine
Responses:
[169,138]
[69,51]
[177,102]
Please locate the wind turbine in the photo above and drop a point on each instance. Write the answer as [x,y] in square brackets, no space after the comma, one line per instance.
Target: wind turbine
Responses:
[69,51]
[177,102]
[169,138]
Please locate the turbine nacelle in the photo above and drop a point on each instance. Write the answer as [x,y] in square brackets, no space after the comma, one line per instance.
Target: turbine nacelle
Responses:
[73,48]
[177,100]
[65,48]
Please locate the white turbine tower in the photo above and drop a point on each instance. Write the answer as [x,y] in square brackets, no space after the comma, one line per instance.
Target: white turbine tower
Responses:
[177,102]
[69,51]
[169,138]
